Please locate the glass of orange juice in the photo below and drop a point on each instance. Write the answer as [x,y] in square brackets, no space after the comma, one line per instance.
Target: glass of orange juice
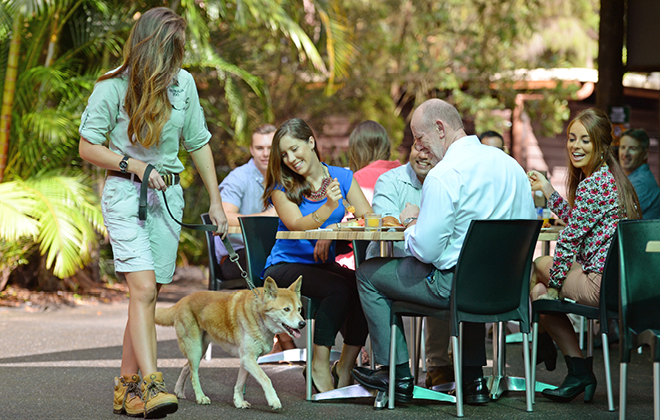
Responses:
[372,222]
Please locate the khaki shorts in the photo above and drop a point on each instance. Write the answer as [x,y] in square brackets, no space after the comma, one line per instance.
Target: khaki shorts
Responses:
[142,245]
[582,287]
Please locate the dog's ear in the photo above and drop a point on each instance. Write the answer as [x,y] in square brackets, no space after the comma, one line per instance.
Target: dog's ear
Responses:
[295,287]
[270,288]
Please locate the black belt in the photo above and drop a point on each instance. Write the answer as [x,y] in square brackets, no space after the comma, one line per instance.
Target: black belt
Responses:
[170,179]
[447,271]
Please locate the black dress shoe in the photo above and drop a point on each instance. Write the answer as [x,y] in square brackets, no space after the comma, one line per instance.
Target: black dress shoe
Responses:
[380,379]
[476,392]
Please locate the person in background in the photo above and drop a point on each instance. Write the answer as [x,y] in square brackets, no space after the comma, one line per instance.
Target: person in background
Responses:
[495,139]
[369,150]
[241,193]
[307,194]
[396,189]
[633,156]
[145,109]
[470,181]
[599,195]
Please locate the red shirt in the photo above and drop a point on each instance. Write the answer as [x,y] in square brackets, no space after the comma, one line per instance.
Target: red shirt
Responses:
[367,176]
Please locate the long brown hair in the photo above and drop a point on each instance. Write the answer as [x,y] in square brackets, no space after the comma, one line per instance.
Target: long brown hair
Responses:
[153,56]
[295,185]
[599,128]
[368,143]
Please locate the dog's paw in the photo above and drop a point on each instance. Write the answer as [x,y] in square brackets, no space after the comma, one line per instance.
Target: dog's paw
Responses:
[242,404]
[180,394]
[276,404]
[204,400]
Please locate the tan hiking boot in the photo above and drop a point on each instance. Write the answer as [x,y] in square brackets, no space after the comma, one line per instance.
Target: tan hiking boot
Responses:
[128,396]
[157,402]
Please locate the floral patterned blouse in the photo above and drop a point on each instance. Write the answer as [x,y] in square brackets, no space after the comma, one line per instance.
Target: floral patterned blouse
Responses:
[590,225]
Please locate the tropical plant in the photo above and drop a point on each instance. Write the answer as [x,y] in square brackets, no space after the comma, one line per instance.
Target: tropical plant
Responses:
[52,51]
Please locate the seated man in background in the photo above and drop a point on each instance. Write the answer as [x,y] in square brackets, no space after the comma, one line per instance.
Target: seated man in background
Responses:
[470,181]
[394,190]
[633,154]
[241,193]
[495,139]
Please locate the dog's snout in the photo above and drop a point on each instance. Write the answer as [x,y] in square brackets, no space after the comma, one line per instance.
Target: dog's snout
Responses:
[301,325]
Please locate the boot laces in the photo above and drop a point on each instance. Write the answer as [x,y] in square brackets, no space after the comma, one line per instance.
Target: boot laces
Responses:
[153,388]
[134,388]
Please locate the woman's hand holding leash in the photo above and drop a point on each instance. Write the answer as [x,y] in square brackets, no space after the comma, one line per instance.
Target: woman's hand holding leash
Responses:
[218,218]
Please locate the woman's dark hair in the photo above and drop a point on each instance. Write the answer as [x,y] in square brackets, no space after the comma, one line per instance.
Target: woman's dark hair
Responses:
[295,186]
[599,128]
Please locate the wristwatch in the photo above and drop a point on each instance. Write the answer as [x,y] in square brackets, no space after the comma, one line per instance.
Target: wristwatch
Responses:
[123,165]
[408,220]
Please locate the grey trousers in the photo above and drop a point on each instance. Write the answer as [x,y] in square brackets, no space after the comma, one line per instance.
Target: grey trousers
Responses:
[383,280]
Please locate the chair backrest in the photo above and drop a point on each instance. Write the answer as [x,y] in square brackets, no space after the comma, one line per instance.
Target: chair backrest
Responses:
[259,237]
[639,299]
[215,274]
[609,286]
[491,281]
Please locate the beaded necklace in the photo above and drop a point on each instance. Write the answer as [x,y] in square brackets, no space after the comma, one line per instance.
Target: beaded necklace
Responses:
[320,193]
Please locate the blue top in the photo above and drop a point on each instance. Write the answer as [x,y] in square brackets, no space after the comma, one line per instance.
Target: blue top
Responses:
[243,187]
[647,191]
[302,251]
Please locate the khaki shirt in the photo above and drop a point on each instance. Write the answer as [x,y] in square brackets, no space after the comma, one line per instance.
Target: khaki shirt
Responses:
[105,119]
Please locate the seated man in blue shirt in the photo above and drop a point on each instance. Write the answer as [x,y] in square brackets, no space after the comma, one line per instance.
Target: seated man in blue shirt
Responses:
[241,192]
[633,154]
[471,181]
[394,190]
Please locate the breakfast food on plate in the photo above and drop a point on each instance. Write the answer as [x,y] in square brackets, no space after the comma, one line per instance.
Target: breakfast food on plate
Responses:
[391,221]
[354,223]
[546,225]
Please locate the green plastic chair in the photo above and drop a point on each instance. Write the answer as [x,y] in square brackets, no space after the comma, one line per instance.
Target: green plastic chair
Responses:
[490,284]
[639,301]
[607,309]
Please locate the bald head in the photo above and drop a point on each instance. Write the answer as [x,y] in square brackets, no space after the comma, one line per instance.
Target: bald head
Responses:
[437,109]
[436,124]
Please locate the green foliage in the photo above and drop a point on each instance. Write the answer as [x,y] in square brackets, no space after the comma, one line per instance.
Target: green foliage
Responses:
[258,61]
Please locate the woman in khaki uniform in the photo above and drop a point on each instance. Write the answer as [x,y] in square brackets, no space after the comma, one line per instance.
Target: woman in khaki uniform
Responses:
[143,109]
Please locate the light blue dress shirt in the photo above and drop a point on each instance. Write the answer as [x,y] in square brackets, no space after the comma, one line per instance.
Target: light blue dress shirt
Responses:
[243,187]
[393,190]
[647,191]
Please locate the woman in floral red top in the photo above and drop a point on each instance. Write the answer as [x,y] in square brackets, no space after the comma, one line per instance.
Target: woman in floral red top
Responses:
[599,194]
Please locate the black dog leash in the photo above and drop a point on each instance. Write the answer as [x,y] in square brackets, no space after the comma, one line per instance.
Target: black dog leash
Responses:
[142,215]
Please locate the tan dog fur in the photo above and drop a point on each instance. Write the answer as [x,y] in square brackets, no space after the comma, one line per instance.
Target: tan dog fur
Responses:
[242,324]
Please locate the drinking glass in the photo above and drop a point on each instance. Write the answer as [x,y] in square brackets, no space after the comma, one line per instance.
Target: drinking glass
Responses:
[372,222]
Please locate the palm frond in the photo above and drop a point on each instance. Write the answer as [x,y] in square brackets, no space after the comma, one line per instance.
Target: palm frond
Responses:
[66,234]
[16,204]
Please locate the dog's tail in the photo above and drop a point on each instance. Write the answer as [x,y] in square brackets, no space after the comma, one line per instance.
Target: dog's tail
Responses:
[165,316]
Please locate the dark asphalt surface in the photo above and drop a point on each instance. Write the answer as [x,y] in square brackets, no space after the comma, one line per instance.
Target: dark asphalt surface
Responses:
[60,364]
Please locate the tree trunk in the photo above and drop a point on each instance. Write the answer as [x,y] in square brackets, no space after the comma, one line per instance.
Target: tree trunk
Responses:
[609,91]
[9,92]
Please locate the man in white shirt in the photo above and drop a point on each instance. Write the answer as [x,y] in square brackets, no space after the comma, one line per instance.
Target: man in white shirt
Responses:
[472,181]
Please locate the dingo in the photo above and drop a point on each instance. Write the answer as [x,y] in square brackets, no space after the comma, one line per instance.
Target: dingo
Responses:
[242,324]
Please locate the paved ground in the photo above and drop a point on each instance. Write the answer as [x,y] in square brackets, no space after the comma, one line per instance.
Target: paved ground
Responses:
[60,364]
